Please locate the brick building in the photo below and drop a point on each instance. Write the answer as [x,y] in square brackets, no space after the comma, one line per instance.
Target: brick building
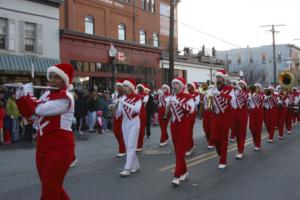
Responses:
[138,29]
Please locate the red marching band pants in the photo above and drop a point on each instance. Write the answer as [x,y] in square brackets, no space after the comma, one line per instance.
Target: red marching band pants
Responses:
[206,126]
[270,118]
[117,129]
[54,154]
[239,127]
[281,117]
[163,123]
[192,120]
[179,131]
[219,126]
[142,128]
[289,119]
[232,130]
[255,124]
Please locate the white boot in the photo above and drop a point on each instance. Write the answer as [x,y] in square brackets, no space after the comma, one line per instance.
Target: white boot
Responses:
[125,173]
[184,176]
[222,166]
[239,156]
[256,149]
[176,181]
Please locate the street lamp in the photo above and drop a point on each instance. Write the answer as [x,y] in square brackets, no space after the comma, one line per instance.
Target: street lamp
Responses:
[112,55]
[241,73]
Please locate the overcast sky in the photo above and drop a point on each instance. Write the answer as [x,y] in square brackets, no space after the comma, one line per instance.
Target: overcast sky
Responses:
[237,22]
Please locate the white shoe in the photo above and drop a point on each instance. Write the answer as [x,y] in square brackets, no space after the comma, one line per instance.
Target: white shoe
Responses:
[222,166]
[125,173]
[239,156]
[256,149]
[139,150]
[231,140]
[210,147]
[270,141]
[119,155]
[176,181]
[190,151]
[163,143]
[74,162]
[81,132]
[280,138]
[289,132]
[135,170]
[184,176]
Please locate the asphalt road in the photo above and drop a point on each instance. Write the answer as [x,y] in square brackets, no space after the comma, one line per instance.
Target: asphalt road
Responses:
[271,174]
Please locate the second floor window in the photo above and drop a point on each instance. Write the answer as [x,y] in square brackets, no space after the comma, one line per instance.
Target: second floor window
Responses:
[239,60]
[153,6]
[30,37]
[263,58]
[142,36]
[89,24]
[155,40]
[3,26]
[122,32]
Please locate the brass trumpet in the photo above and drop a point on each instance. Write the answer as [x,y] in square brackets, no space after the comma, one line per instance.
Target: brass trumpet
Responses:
[168,107]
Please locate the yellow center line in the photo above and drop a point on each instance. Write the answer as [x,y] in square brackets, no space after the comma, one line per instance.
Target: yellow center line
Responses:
[207,156]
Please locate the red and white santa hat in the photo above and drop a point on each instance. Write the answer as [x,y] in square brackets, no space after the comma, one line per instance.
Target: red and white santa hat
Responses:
[243,82]
[166,86]
[142,85]
[222,73]
[119,82]
[131,83]
[258,85]
[64,71]
[179,80]
[271,87]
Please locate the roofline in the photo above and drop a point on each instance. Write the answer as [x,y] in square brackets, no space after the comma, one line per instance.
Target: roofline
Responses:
[54,3]
[290,45]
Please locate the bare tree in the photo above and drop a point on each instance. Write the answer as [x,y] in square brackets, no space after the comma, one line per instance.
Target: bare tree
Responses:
[254,73]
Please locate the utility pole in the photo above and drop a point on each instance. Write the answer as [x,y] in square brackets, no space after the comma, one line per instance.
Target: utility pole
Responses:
[274,48]
[173,4]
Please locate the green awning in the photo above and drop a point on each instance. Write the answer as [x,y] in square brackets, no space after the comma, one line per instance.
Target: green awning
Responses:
[22,64]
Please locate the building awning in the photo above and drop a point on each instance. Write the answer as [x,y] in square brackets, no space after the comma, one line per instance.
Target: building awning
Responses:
[19,64]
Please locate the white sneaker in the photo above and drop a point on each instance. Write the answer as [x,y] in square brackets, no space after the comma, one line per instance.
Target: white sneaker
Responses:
[190,151]
[280,138]
[139,150]
[135,170]
[163,143]
[239,156]
[81,132]
[289,132]
[74,163]
[125,173]
[231,140]
[270,141]
[222,166]
[256,149]
[184,176]
[210,147]
[176,181]
[119,155]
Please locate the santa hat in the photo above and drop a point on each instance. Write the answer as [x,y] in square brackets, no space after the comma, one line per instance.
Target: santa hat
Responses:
[258,85]
[271,87]
[130,83]
[119,82]
[278,87]
[65,71]
[179,80]
[144,86]
[243,82]
[165,86]
[222,73]
[193,84]
[294,88]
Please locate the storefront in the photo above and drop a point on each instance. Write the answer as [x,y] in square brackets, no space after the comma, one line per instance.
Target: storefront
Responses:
[89,55]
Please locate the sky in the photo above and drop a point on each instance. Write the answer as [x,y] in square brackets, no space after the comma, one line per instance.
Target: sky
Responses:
[237,22]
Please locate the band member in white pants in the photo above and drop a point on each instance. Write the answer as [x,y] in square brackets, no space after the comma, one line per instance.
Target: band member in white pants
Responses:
[129,108]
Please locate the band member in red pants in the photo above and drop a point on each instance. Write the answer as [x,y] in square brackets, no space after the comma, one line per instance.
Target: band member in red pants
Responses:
[117,121]
[163,123]
[256,114]
[205,114]
[180,106]
[270,112]
[141,90]
[281,110]
[55,143]
[191,87]
[240,116]
[292,102]
[297,94]
[220,97]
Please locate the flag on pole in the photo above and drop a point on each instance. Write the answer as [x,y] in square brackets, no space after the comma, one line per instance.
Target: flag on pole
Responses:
[32,70]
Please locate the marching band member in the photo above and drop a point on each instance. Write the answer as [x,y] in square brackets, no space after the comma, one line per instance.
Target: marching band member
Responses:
[163,123]
[281,110]
[221,96]
[191,87]
[270,112]
[53,114]
[205,114]
[117,122]
[293,100]
[256,114]
[240,116]
[141,90]
[129,107]
[180,106]
[297,94]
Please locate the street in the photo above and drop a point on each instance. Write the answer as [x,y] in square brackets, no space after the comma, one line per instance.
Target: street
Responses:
[271,174]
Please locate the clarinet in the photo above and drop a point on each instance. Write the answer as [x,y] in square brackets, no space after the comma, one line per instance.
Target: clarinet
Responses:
[168,107]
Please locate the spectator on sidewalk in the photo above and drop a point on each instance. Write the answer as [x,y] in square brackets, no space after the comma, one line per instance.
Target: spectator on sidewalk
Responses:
[80,111]
[28,126]
[103,106]
[13,112]
[2,116]
[150,109]
[93,107]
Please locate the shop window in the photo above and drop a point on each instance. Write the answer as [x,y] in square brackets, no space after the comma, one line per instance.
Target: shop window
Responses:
[86,67]
[92,67]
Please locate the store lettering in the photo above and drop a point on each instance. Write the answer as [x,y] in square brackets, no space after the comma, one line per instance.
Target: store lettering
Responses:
[110,2]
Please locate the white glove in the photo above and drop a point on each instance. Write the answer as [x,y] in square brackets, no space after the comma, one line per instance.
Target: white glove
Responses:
[215,92]
[28,89]
[120,101]
[174,100]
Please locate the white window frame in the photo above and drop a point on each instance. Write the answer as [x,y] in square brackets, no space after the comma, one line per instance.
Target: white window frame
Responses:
[89,25]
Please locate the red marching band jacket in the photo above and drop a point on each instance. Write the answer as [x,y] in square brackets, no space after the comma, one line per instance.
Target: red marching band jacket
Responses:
[47,124]
[256,101]
[130,99]
[222,101]
[270,102]
[241,99]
